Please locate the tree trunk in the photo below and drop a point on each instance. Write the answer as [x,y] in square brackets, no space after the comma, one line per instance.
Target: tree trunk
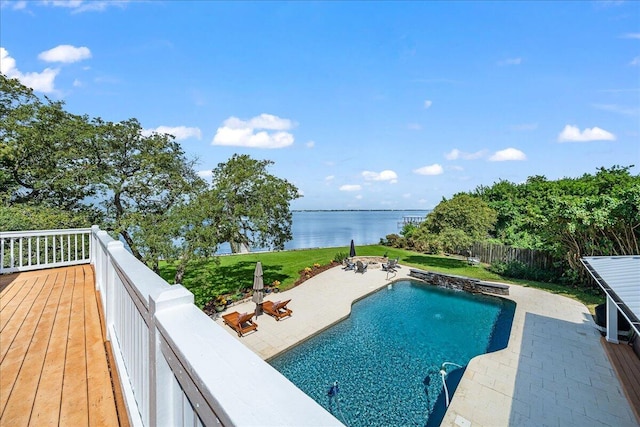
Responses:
[181,269]
[132,245]
[179,274]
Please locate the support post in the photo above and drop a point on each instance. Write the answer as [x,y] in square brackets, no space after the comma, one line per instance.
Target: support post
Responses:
[612,321]
[109,284]
[162,408]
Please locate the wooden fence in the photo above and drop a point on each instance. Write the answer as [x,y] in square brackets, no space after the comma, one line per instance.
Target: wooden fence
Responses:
[492,252]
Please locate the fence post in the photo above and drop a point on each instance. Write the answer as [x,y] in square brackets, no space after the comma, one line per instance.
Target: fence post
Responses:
[162,407]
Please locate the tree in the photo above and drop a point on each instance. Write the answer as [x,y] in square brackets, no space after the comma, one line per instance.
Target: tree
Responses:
[253,204]
[456,223]
[595,214]
[41,161]
[141,188]
[107,173]
[141,179]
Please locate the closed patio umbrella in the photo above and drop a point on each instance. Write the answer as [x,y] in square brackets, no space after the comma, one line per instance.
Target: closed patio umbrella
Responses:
[258,288]
[352,251]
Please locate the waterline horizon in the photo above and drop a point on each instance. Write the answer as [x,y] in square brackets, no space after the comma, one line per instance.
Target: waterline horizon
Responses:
[336,228]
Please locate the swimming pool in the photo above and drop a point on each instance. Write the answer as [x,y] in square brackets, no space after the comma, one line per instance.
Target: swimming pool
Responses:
[387,355]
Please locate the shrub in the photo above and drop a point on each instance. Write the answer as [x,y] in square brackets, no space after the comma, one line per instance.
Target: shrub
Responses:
[395,241]
[339,257]
[520,270]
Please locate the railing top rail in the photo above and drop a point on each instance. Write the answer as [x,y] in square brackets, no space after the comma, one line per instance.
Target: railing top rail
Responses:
[36,233]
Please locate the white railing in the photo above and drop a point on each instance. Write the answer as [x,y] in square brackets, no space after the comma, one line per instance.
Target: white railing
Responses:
[32,250]
[177,367]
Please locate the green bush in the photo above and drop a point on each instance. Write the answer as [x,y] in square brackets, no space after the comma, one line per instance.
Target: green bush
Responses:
[520,270]
[394,240]
[339,257]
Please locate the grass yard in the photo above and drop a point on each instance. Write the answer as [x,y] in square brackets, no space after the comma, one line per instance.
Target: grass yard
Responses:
[230,274]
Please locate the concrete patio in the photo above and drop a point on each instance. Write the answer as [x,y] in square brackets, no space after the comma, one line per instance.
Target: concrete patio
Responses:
[554,371]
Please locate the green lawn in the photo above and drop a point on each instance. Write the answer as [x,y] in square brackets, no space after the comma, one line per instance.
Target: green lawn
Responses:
[232,273]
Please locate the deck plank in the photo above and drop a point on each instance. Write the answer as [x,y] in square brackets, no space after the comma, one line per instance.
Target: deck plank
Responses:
[12,289]
[626,365]
[55,371]
[22,364]
[102,405]
[74,408]
[46,405]
[15,310]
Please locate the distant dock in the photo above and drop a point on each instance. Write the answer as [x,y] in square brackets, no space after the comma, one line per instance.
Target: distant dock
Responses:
[413,220]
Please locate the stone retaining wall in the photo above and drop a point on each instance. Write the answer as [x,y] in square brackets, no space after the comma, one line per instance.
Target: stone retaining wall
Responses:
[466,284]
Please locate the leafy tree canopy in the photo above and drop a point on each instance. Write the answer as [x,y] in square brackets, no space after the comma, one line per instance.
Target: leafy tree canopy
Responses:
[59,170]
[254,205]
[456,223]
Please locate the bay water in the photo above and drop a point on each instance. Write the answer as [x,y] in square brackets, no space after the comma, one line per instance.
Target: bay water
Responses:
[327,229]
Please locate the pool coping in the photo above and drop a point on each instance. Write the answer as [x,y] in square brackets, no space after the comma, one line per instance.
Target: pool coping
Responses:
[554,370]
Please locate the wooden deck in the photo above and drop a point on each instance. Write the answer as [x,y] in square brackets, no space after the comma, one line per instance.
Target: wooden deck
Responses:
[53,359]
[626,364]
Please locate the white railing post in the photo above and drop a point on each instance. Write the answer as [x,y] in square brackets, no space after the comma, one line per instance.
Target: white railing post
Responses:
[93,245]
[161,383]
[612,321]
[109,283]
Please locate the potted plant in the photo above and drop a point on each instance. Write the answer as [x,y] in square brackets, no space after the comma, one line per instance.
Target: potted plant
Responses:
[220,303]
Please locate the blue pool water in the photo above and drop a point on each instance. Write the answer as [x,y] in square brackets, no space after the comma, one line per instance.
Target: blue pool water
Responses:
[387,355]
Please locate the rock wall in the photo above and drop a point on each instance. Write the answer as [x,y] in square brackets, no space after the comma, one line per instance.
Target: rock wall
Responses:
[466,284]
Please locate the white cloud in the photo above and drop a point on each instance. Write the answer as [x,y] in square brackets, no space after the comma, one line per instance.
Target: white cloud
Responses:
[40,82]
[65,53]
[359,197]
[310,144]
[510,61]
[243,133]
[385,175]
[434,169]
[77,83]
[507,154]
[205,174]
[627,111]
[300,192]
[16,5]
[573,134]
[179,132]
[631,36]
[78,6]
[350,187]
[406,195]
[427,103]
[457,154]
[329,178]
[635,61]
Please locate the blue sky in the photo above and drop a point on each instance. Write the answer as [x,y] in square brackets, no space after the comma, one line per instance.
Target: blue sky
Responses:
[381,105]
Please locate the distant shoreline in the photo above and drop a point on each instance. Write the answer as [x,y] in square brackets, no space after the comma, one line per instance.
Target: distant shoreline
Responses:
[360,210]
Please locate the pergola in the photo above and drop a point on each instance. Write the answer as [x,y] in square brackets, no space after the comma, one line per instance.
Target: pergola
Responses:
[619,278]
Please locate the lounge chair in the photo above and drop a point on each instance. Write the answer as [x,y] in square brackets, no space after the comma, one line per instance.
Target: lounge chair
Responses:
[360,267]
[348,265]
[277,309]
[391,265]
[473,260]
[241,323]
